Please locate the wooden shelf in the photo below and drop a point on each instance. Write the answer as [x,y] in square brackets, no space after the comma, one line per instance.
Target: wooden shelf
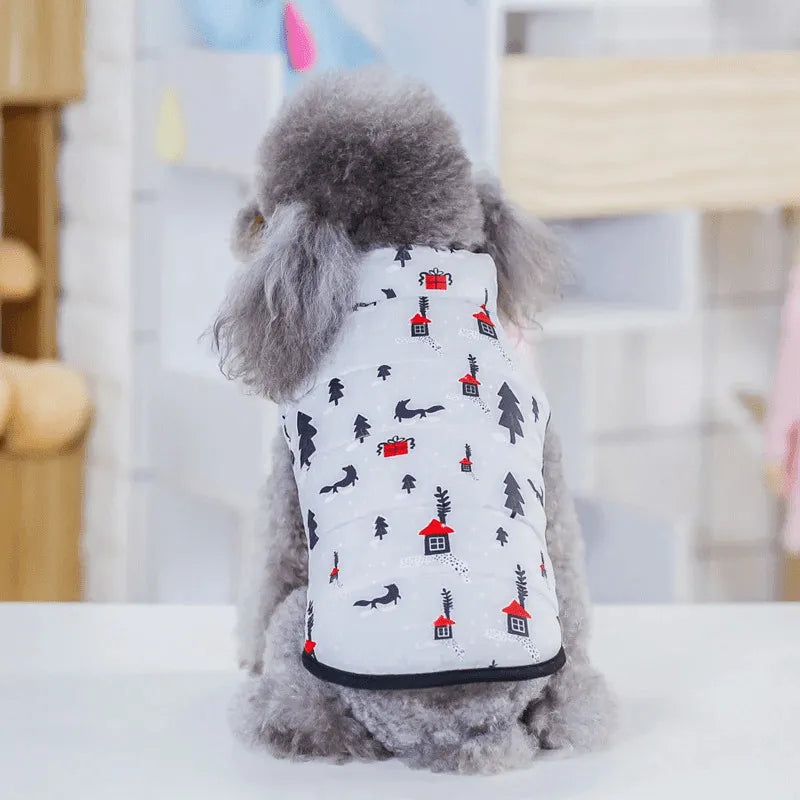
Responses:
[41,51]
[594,137]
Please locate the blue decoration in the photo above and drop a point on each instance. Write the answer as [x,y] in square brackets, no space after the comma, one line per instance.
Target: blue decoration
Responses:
[257,26]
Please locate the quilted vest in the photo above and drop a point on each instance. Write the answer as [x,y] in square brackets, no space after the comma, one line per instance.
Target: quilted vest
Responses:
[417,451]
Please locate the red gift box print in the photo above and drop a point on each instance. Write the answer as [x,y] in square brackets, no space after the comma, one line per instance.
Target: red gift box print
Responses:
[396,446]
[435,279]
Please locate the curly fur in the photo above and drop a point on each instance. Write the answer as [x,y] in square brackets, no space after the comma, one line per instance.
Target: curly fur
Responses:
[529,259]
[286,310]
[375,155]
[352,163]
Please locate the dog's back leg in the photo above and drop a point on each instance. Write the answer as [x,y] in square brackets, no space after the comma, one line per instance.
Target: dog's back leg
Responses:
[279,561]
[576,709]
[288,710]
[468,729]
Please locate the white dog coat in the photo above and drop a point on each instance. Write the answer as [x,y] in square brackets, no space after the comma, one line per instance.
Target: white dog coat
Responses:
[418,457]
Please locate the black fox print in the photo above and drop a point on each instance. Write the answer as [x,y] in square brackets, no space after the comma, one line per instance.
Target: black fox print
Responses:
[350,478]
[392,596]
[402,411]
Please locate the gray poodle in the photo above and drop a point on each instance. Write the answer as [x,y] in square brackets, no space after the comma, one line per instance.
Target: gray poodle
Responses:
[352,163]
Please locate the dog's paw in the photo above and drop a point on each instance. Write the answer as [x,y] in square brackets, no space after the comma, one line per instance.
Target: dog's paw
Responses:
[577,712]
[254,667]
[295,719]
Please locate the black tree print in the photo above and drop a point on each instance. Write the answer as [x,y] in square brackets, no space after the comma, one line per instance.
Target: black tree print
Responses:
[511,416]
[409,483]
[473,365]
[514,499]
[535,409]
[381,528]
[539,493]
[502,537]
[384,371]
[285,431]
[442,504]
[361,427]
[312,530]
[335,391]
[403,255]
[424,304]
[447,602]
[309,645]
[306,431]
[522,585]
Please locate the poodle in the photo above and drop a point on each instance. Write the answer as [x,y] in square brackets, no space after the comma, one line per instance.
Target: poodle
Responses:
[354,163]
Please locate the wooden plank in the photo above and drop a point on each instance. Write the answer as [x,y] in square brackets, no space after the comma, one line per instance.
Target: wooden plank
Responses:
[593,137]
[29,155]
[41,51]
[64,33]
[40,524]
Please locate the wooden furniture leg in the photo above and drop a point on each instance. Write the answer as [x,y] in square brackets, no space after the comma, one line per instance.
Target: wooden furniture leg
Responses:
[30,213]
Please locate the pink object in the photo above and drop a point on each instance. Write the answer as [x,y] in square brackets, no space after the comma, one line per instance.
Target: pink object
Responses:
[299,41]
[783,417]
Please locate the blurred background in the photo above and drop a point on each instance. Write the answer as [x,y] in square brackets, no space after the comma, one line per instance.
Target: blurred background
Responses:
[659,136]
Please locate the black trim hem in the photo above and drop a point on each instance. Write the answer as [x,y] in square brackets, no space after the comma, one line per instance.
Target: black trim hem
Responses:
[428,680]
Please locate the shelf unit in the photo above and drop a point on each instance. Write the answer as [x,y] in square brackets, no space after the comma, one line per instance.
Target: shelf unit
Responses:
[41,69]
[547,126]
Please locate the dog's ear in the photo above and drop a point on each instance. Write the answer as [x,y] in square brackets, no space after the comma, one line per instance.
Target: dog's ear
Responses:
[287,306]
[530,264]
[248,230]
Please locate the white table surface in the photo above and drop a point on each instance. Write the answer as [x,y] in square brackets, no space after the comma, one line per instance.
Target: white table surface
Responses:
[118,702]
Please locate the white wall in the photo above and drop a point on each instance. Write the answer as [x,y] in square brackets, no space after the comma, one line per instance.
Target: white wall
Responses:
[97,314]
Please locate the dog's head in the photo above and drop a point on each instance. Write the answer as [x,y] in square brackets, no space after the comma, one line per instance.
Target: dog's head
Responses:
[356,161]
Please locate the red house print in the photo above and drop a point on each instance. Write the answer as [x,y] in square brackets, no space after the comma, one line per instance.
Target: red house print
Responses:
[334,576]
[436,532]
[466,464]
[443,626]
[517,618]
[435,279]
[516,615]
[419,322]
[396,446]
[437,537]
[310,644]
[542,567]
[470,383]
[485,324]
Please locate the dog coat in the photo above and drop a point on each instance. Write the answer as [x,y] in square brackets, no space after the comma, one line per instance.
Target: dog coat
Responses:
[417,451]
